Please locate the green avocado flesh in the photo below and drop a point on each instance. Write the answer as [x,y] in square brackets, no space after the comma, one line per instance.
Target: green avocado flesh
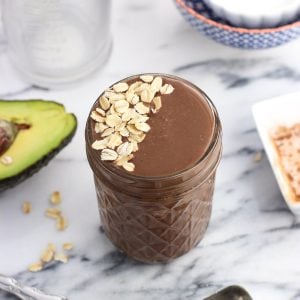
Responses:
[44,128]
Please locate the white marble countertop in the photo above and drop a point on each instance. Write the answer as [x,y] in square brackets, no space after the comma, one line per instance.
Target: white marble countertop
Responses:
[253,240]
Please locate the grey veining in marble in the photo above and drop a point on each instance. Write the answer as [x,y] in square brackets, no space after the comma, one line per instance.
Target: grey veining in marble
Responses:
[252,240]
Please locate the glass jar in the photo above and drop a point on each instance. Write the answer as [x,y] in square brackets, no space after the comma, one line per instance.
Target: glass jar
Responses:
[2,39]
[53,42]
[156,219]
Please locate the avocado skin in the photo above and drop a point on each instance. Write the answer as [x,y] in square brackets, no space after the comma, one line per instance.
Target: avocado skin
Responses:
[12,181]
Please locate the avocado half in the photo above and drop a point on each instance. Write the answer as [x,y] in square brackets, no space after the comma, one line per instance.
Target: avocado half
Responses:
[36,130]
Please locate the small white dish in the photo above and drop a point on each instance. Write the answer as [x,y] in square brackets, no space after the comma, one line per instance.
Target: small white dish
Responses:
[256,13]
[283,110]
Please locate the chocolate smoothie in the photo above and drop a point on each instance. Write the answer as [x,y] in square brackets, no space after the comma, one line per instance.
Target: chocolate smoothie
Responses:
[154,195]
[180,133]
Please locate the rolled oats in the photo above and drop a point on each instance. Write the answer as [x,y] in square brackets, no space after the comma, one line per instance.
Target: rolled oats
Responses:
[96,117]
[6,160]
[147,78]
[123,159]
[120,87]
[122,117]
[141,108]
[52,247]
[132,129]
[147,95]
[61,223]
[104,103]
[112,96]
[142,87]
[113,120]
[47,255]
[135,146]
[109,155]
[135,100]
[55,198]
[124,132]
[137,137]
[107,132]
[101,112]
[114,141]
[156,84]
[121,126]
[53,212]
[139,119]
[100,127]
[112,111]
[132,98]
[128,166]
[35,267]
[125,149]
[61,257]
[129,114]
[68,246]
[134,86]
[50,254]
[100,144]
[166,89]
[142,127]
[157,103]
[121,106]
[26,207]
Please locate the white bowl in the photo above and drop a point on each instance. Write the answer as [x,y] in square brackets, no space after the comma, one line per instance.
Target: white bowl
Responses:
[282,110]
[256,13]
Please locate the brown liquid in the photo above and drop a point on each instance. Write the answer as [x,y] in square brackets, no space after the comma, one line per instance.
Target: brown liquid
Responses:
[180,133]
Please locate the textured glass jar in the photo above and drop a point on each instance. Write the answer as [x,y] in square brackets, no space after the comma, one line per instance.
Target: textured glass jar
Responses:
[53,42]
[156,219]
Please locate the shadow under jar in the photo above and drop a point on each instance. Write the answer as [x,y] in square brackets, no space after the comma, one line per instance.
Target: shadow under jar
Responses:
[158,218]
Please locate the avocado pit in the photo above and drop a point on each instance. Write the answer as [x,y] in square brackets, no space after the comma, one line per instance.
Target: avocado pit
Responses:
[8,133]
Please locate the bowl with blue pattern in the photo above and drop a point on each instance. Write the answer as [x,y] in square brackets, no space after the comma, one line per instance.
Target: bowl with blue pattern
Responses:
[205,21]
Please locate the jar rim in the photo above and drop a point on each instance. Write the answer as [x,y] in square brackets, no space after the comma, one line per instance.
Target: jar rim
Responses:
[216,135]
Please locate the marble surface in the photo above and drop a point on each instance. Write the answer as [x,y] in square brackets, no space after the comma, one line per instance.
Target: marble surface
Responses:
[253,240]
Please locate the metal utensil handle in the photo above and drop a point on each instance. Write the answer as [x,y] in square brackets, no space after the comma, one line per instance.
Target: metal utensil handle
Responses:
[12,286]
